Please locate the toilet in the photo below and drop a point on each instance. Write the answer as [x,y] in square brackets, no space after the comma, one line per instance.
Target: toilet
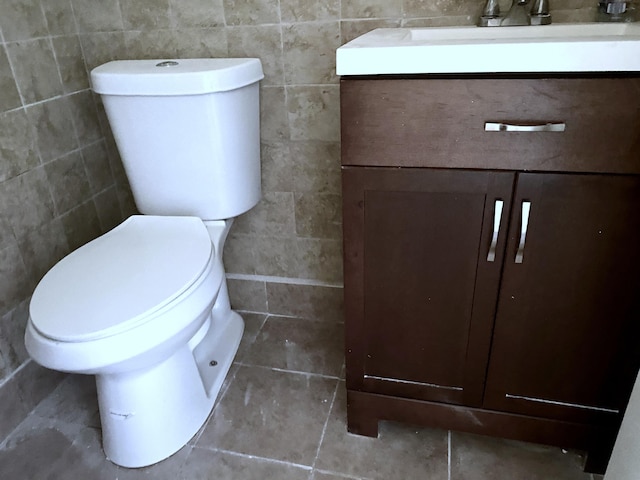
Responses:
[145,307]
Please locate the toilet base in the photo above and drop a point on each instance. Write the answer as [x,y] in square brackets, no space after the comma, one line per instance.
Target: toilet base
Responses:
[150,414]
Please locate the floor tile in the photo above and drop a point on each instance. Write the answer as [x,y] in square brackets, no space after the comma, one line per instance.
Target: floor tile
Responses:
[48,449]
[399,452]
[298,345]
[271,414]
[205,464]
[252,324]
[475,457]
[332,476]
[73,401]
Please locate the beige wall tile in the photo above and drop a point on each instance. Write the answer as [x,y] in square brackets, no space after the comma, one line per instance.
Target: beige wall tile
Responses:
[108,208]
[201,42]
[13,284]
[9,96]
[73,71]
[350,29]
[85,117]
[314,112]
[277,167]
[81,225]
[316,166]
[54,132]
[68,182]
[263,42]
[305,11]
[26,201]
[318,215]
[320,259]
[150,44]
[251,12]
[197,13]
[247,295]
[98,166]
[277,256]
[19,152]
[145,14]
[443,21]
[102,47]
[35,69]
[309,52]
[429,8]
[12,326]
[47,114]
[102,16]
[574,16]
[274,119]
[22,20]
[240,254]
[42,247]
[371,8]
[274,215]
[59,15]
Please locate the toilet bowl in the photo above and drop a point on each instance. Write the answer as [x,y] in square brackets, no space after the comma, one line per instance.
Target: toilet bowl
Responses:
[145,307]
[135,307]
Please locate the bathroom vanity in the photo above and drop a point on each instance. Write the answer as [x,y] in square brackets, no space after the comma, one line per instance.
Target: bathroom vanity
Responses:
[491,253]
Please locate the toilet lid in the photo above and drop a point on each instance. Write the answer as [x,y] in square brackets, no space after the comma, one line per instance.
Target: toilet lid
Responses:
[118,280]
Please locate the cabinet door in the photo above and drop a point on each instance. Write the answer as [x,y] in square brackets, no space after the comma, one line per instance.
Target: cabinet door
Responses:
[566,333]
[420,292]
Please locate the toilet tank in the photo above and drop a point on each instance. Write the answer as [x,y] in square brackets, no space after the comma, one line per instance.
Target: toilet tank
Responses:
[188,132]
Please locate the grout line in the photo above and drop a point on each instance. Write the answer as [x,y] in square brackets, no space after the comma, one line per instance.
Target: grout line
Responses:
[256,457]
[341,475]
[295,372]
[46,100]
[289,280]
[326,422]
[8,378]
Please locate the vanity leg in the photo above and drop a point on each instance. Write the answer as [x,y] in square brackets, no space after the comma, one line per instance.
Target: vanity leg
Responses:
[598,456]
[359,419]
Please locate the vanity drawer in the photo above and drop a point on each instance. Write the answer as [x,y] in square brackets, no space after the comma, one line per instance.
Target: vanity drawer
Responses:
[441,122]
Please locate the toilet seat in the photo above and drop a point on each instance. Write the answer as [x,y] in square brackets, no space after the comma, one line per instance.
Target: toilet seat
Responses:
[122,279]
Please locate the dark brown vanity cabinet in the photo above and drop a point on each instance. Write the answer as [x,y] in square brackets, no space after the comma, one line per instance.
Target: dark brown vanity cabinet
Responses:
[481,296]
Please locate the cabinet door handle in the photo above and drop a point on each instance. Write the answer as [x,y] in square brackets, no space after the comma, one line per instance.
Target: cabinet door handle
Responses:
[510,127]
[497,217]
[524,224]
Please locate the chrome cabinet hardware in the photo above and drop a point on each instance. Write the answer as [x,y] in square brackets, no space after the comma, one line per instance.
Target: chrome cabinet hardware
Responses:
[510,127]
[524,225]
[497,217]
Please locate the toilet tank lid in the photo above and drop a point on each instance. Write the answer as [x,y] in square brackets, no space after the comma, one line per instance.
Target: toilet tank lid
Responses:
[191,76]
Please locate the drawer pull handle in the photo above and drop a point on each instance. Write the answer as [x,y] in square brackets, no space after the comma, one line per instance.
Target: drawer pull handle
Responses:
[526,208]
[497,217]
[509,127]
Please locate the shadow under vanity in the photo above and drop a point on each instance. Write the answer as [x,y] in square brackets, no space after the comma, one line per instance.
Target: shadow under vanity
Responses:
[492,268]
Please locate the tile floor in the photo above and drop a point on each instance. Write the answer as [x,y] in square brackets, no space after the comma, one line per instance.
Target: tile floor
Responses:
[281,415]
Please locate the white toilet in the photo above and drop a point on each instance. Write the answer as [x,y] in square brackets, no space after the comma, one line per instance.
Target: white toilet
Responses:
[145,307]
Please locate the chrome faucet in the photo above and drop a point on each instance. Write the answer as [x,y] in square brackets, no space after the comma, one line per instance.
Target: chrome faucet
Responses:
[520,13]
[615,11]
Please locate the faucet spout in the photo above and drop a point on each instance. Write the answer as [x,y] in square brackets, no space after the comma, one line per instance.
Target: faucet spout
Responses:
[521,13]
[518,14]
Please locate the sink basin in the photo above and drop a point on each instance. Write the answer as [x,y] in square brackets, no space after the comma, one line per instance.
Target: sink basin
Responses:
[586,47]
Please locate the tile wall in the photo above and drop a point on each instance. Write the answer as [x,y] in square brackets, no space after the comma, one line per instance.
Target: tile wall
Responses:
[58,186]
[62,183]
